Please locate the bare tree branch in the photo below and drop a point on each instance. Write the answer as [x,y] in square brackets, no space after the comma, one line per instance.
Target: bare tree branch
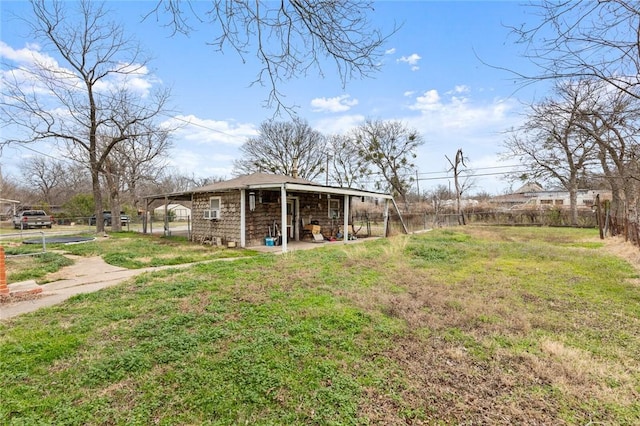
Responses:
[289,38]
[584,39]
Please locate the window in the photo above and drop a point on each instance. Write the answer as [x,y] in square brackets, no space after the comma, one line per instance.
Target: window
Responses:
[214,203]
[334,208]
[214,208]
[546,201]
[559,202]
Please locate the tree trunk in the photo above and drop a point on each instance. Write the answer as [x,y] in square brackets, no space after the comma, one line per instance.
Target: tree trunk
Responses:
[114,193]
[97,198]
[573,205]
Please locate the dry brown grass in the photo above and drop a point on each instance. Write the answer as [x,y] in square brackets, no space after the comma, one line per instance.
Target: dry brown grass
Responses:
[626,250]
[453,370]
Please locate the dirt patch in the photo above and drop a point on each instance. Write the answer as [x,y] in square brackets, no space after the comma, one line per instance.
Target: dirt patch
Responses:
[13,298]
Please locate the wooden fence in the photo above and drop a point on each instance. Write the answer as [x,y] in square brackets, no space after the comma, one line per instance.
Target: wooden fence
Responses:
[372,223]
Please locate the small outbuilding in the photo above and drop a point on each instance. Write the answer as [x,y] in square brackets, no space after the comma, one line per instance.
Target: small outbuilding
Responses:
[174,210]
[248,210]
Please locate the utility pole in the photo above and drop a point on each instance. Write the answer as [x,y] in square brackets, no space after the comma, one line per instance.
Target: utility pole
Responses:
[326,171]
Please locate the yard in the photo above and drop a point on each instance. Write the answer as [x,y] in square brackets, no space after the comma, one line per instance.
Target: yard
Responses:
[475,325]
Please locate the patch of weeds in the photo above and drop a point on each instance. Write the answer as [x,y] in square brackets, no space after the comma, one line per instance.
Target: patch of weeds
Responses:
[124,260]
[475,348]
[133,250]
[34,267]
[518,345]
[443,247]
[117,367]
[592,245]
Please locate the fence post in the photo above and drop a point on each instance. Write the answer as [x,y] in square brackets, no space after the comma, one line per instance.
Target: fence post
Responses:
[4,288]
[599,216]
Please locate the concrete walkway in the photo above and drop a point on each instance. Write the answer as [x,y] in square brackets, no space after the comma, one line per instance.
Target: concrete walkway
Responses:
[86,275]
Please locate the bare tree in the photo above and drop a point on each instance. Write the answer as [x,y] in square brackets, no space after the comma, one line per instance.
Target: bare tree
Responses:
[551,143]
[598,40]
[343,162]
[455,167]
[87,97]
[76,180]
[137,159]
[45,176]
[145,158]
[289,38]
[388,148]
[279,145]
[613,121]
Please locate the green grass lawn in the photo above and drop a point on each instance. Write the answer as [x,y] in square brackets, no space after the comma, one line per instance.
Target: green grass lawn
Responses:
[474,326]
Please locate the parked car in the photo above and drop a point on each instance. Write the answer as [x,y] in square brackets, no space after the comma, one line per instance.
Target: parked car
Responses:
[106,216]
[32,219]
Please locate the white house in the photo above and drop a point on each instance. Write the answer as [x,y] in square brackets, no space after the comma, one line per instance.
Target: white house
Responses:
[176,211]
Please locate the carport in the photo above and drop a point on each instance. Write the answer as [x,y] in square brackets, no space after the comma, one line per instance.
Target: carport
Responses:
[240,210]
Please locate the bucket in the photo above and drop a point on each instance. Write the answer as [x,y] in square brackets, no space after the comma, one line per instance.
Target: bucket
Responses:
[269,241]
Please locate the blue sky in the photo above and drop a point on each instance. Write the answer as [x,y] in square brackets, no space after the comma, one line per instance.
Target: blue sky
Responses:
[431,79]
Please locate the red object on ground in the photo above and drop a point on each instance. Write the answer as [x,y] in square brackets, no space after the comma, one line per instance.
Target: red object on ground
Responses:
[4,288]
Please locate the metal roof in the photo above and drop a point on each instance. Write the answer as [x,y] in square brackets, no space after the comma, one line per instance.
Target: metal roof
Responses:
[259,181]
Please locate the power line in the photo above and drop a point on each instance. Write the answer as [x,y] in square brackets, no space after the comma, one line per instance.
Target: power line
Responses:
[471,169]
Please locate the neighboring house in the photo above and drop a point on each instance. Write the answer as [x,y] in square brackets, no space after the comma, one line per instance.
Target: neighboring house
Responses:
[533,196]
[518,197]
[175,211]
[586,198]
[247,209]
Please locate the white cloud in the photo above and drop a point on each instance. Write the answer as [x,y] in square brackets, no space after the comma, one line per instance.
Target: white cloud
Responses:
[339,125]
[205,147]
[337,104]
[190,162]
[458,111]
[29,55]
[408,93]
[430,100]
[390,51]
[463,88]
[31,62]
[456,120]
[411,60]
[207,132]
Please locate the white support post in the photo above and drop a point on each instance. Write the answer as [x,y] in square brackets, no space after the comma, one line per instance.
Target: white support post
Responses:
[283,217]
[167,232]
[243,224]
[386,218]
[345,229]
